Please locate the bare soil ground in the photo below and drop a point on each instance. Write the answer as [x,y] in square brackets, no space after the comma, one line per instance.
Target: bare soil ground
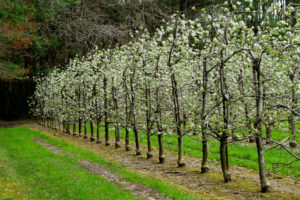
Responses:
[245,183]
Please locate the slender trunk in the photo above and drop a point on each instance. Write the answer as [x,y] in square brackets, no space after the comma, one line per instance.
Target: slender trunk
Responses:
[175,98]
[149,153]
[68,127]
[224,158]
[148,118]
[161,148]
[92,131]
[132,115]
[159,118]
[137,143]
[74,128]
[224,136]
[106,112]
[127,145]
[79,127]
[265,185]
[98,131]
[106,133]
[204,166]
[117,126]
[293,142]
[117,135]
[64,130]
[268,133]
[180,150]
[85,130]
[59,127]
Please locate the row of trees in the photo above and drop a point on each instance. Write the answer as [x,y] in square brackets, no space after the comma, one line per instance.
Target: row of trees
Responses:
[213,76]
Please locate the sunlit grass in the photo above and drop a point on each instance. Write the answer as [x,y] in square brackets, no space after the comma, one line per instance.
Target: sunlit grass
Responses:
[46,175]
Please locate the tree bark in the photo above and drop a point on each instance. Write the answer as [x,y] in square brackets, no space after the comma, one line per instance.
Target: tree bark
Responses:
[268,133]
[148,118]
[204,166]
[293,142]
[106,112]
[98,130]
[85,130]
[74,129]
[79,127]
[224,158]
[161,156]
[265,185]
[127,145]
[117,135]
[137,143]
[92,131]
[224,136]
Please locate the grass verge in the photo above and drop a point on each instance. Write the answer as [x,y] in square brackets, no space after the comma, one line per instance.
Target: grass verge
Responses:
[49,176]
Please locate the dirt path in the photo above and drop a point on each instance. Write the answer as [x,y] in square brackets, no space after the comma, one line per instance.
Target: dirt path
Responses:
[12,124]
[137,189]
[245,183]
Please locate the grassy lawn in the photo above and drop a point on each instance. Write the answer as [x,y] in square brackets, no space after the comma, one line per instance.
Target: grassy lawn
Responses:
[239,154]
[37,173]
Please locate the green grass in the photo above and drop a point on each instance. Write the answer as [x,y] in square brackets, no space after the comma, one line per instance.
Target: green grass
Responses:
[45,175]
[240,155]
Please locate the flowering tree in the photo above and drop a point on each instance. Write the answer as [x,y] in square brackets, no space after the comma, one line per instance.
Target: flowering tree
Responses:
[218,75]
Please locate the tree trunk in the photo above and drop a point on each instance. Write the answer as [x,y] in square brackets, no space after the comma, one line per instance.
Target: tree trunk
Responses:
[293,142]
[265,185]
[92,131]
[117,126]
[137,143]
[224,158]
[85,130]
[106,132]
[74,128]
[79,127]
[180,150]
[106,112]
[224,136]
[148,118]
[68,127]
[149,148]
[161,148]
[204,167]
[117,136]
[127,144]
[98,131]
[268,133]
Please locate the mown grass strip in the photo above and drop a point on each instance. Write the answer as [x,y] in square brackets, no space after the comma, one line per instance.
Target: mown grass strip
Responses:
[49,176]
[163,188]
